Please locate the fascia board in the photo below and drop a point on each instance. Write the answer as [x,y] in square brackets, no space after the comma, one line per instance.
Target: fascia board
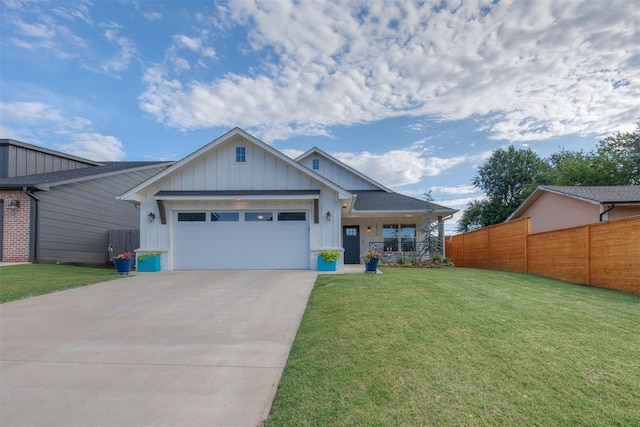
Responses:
[234,198]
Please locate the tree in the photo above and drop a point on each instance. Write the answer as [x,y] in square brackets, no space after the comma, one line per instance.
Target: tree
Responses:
[577,168]
[430,243]
[621,155]
[507,178]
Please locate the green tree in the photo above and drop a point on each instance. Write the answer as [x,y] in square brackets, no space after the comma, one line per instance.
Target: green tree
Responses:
[577,168]
[430,243]
[620,154]
[507,178]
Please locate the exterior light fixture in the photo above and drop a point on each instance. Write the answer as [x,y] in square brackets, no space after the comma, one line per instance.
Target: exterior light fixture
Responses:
[368,229]
[15,204]
[151,216]
[328,216]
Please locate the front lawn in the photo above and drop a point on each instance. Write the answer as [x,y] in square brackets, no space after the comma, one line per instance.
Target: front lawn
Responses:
[462,347]
[25,280]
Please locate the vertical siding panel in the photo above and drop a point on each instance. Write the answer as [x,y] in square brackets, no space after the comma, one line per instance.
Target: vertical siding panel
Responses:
[75,218]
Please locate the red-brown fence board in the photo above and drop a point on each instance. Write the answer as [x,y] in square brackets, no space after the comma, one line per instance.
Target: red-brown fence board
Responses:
[615,255]
[605,254]
[560,254]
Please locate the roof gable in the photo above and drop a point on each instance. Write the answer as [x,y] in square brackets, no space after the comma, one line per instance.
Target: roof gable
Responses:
[595,195]
[44,181]
[340,173]
[199,160]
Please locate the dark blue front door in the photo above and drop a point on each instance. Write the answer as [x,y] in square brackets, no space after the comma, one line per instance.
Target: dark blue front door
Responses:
[351,244]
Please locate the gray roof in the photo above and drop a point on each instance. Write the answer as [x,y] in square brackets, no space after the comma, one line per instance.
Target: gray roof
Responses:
[373,200]
[600,194]
[231,193]
[69,175]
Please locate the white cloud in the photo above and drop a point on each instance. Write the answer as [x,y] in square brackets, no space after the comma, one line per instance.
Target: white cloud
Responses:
[126,52]
[38,113]
[94,146]
[191,43]
[397,168]
[457,190]
[527,70]
[152,16]
[39,123]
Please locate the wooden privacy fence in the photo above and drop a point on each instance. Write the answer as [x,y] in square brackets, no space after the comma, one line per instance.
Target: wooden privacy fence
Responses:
[122,241]
[603,254]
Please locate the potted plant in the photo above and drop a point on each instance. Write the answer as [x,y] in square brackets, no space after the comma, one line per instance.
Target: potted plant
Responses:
[327,260]
[124,262]
[371,258]
[149,261]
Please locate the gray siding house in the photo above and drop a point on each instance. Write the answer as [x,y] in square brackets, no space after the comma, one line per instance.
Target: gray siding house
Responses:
[55,207]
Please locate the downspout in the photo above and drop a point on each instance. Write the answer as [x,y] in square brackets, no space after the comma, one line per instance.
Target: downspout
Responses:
[602,214]
[33,226]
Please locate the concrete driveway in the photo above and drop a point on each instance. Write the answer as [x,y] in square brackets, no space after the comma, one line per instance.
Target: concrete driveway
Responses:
[171,348]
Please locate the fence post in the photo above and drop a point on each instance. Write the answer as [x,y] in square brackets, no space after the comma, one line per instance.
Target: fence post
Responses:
[587,273]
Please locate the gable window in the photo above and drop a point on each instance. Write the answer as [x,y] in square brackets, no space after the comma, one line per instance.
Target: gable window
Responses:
[399,237]
[315,164]
[241,154]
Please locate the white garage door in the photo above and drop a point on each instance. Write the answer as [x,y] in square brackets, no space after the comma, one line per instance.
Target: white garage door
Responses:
[241,240]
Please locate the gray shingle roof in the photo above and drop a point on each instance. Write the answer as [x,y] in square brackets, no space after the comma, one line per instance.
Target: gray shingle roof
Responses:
[601,194]
[372,200]
[54,177]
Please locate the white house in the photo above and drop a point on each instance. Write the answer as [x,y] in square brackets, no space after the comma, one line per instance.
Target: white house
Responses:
[238,203]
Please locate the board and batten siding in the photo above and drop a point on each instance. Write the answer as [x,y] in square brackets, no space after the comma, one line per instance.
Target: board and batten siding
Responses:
[218,170]
[75,219]
[22,161]
[338,174]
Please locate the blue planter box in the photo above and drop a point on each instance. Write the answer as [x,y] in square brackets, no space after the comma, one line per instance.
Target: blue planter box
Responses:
[149,264]
[326,266]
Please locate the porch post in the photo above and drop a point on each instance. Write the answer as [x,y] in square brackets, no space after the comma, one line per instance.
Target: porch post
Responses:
[441,235]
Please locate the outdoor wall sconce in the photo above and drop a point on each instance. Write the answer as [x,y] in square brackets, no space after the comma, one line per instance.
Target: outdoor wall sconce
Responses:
[328,216]
[151,216]
[15,204]
[368,230]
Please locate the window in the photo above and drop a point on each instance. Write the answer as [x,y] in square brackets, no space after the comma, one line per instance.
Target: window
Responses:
[399,237]
[258,216]
[225,216]
[351,231]
[192,216]
[315,164]
[390,237]
[408,237]
[241,154]
[292,216]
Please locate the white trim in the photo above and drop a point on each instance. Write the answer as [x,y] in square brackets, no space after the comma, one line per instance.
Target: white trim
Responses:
[239,198]
[131,195]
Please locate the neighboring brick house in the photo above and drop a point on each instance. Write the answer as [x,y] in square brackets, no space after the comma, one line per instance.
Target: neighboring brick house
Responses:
[55,207]
[552,207]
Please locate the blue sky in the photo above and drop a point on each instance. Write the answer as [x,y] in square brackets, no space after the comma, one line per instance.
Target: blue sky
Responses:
[415,94]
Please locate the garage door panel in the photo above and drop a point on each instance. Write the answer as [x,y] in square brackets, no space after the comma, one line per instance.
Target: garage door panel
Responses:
[241,245]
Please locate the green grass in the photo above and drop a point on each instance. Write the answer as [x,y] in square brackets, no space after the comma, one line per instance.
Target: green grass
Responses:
[21,281]
[462,347]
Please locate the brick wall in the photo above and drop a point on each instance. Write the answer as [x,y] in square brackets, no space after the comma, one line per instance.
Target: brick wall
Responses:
[16,227]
